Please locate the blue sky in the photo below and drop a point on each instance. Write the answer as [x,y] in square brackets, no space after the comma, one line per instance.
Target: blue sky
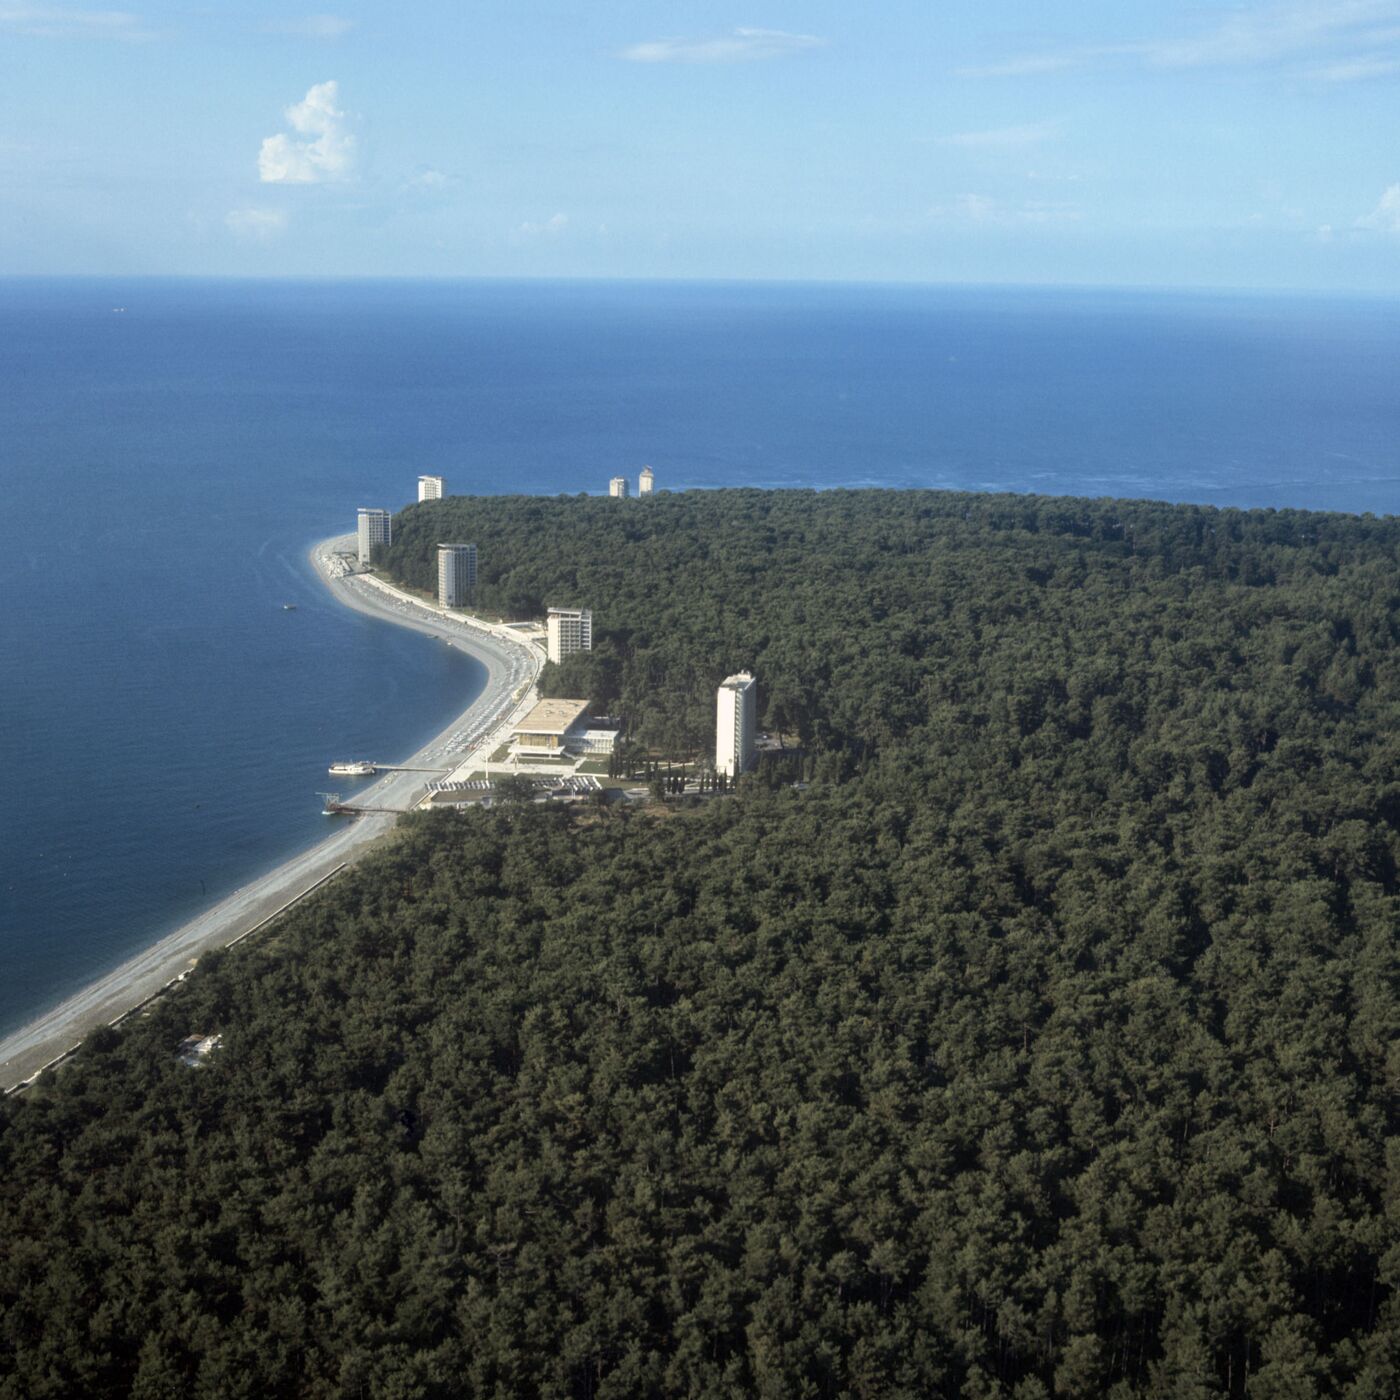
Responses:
[1204,144]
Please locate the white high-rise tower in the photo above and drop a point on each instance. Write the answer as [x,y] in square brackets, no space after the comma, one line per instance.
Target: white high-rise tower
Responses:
[430,488]
[647,482]
[375,526]
[570,630]
[618,487]
[736,724]
[456,575]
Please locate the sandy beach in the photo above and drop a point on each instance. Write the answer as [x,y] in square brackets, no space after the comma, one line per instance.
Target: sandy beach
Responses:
[511,664]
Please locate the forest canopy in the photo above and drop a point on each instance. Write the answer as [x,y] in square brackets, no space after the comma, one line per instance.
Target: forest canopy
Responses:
[858,609]
[1046,1044]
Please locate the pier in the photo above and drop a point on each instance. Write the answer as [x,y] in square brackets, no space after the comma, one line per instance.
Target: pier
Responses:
[343,770]
[334,807]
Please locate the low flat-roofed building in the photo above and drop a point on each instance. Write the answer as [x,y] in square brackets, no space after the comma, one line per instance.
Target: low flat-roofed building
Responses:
[592,741]
[549,728]
[450,794]
[195,1049]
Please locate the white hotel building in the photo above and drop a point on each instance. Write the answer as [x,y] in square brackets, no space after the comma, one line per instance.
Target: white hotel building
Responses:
[570,630]
[374,527]
[430,488]
[736,724]
[456,575]
[617,486]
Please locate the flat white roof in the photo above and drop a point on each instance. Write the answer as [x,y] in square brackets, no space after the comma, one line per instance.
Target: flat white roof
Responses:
[553,717]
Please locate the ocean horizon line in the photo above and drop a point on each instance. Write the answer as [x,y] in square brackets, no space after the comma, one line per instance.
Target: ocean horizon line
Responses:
[1186,290]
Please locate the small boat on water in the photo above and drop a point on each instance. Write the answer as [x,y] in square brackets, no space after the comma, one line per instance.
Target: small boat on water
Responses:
[289,607]
[361,768]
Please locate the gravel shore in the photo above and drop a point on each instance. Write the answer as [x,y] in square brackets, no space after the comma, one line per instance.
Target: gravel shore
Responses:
[510,665]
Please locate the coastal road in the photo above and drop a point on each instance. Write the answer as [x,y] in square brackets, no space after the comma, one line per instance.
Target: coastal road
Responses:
[510,664]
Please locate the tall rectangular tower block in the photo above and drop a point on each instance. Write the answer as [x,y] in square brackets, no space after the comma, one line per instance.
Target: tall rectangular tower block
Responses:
[736,724]
[374,526]
[570,630]
[456,575]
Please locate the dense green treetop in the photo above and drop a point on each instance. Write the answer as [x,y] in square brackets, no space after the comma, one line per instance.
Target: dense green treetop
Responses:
[850,605]
[1048,1043]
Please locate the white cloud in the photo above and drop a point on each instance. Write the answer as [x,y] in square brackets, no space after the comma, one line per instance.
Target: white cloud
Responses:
[1042,211]
[426,178]
[551,228]
[975,207]
[1355,70]
[325,150]
[1385,217]
[258,225]
[1355,33]
[52,22]
[1028,65]
[1030,135]
[1276,32]
[984,210]
[312,27]
[741,46]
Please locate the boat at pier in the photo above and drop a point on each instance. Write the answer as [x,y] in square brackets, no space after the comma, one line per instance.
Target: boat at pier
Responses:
[361,768]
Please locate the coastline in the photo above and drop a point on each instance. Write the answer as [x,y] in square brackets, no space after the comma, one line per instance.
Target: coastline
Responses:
[510,662]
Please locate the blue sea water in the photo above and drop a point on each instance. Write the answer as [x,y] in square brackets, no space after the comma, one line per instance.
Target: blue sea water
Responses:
[166,724]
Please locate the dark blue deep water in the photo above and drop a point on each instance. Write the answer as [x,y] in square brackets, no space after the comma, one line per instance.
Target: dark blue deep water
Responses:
[166,725]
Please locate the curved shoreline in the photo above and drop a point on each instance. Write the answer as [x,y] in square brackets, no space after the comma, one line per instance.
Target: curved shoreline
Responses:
[510,662]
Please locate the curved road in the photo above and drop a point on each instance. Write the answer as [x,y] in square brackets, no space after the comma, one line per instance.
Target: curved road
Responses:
[510,663]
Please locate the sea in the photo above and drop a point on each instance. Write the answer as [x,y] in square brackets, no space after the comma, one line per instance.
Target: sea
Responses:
[170,449]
